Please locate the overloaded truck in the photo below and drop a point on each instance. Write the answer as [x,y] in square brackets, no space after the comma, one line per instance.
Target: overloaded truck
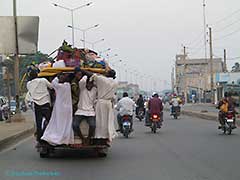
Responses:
[66,60]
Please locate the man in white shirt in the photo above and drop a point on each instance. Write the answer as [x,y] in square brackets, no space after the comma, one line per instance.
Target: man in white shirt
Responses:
[106,88]
[125,107]
[86,109]
[38,90]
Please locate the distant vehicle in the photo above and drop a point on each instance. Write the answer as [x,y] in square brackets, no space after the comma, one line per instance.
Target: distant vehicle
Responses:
[140,115]
[155,122]
[3,108]
[23,107]
[176,112]
[126,125]
[13,107]
[228,126]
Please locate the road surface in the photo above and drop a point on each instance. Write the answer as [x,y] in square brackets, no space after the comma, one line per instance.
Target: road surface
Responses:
[184,149]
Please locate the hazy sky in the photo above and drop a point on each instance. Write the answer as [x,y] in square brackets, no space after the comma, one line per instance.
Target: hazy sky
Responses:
[146,34]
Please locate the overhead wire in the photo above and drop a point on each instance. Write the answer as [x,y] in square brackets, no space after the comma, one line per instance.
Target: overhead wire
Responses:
[197,50]
[227,35]
[233,58]
[226,27]
[225,18]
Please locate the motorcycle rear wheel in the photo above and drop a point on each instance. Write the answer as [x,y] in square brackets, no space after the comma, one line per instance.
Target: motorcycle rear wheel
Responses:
[154,128]
[224,130]
[230,130]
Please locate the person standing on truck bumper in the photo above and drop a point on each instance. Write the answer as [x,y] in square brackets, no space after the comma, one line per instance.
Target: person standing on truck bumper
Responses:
[38,90]
[75,88]
[86,109]
[106,88]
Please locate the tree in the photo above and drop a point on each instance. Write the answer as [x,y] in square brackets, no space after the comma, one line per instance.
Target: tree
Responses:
[27,60]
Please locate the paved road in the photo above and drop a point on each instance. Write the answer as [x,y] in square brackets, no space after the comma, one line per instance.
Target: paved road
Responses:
[185,149]
[201,107]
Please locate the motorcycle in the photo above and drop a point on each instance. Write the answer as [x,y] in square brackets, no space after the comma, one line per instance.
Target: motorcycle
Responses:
[155,122]
[24,107]
[140,115]
[175,112]
[229,120]
[126,125]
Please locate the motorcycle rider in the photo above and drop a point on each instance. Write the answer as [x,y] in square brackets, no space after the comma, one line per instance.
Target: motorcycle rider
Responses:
[140,104]
[225,105]
[175,103]
[155,107]
[125,107]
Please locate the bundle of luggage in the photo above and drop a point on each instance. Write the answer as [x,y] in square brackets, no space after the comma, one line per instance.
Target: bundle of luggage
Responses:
[69,57]
[74,57]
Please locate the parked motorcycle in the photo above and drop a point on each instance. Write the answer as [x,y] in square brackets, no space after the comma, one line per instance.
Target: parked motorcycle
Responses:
[175,111]
[126,125]
[229,120]
[155,122]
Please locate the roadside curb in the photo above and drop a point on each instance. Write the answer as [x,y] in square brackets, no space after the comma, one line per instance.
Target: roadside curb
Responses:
[16,137]
[201,115]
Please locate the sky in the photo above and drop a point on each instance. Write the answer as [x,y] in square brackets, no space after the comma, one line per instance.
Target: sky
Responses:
[146,34]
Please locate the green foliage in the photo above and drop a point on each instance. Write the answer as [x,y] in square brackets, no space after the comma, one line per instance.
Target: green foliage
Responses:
[25,61]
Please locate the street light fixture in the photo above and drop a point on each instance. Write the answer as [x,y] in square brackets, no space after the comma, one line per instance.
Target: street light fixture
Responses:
[109,57]
[84,31]
[101,52]
[93,43]
[72,10]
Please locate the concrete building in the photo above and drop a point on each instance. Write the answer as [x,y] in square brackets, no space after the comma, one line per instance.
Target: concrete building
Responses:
[194,77]
[227,82]
[132,89]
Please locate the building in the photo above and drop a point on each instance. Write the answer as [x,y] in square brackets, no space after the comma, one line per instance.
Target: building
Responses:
[192,76]
[1,76]
[132,89]
[227,82]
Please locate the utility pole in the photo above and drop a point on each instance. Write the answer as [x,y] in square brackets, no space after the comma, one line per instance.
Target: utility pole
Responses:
[185,73]
[16,65]
[225,61]
[211,65]
[9,93]
[172,79]
[204,28]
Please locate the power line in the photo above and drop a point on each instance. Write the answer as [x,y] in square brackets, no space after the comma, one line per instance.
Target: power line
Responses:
[226,27]
[233,58]
[226,17]
[197,50]
[227,35]
[193,42]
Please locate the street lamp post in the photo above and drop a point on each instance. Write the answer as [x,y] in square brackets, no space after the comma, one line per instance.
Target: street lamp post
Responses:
[117,65]
[109,57]
[93,43]
[16,64]
[106,50]
[84,32]
[72,11]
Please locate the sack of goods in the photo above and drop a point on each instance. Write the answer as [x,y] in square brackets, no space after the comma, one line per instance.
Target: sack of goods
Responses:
[74,57]
[69,57]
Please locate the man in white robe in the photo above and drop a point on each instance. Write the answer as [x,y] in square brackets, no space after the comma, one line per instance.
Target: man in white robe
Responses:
[106,88]
[59,130]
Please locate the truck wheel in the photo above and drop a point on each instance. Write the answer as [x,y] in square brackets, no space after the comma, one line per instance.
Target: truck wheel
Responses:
[44,155]
[44,152]
[102,153]
[1,116]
